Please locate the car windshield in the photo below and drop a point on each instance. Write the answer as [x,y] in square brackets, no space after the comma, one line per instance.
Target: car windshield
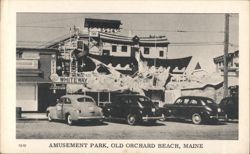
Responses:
[85,99]
[207,101]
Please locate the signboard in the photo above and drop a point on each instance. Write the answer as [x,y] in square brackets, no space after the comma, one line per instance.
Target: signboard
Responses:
[26,64]
[66,80]
[30,55]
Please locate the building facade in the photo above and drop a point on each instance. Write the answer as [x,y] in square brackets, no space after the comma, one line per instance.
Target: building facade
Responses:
[33,84]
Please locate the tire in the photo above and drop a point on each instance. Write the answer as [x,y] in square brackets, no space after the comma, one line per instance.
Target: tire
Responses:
[69,120]
[49,117]
[131,119]
[197,119]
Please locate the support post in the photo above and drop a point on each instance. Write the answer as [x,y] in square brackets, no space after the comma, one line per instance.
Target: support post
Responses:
[225,57]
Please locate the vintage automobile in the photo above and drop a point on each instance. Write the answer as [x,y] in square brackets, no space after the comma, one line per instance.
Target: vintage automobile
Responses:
[133,108]
[230,105]
[198,109]
[72,108]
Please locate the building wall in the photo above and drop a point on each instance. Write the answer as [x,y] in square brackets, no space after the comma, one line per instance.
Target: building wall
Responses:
[154,52]
[26,96]
[119,52]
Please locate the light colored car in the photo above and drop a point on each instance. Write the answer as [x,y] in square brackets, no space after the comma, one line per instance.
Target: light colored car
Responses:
[72,108]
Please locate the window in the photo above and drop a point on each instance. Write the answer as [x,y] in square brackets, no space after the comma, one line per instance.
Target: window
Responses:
[114,48]
[146,51]
[161,54]
[186,101]
[179,101]
[89,100]
[67,101]
[124,48]
[193,102]
[106,52]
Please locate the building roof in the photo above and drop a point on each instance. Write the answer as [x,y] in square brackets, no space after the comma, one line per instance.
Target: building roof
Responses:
[114,60]
[230,55]
[179,63]
[102,23]
[36,49]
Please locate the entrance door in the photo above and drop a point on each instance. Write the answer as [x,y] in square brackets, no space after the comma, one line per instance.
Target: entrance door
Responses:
[46,97]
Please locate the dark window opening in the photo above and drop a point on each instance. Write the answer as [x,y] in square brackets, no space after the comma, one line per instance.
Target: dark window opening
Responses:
[106,52]
[124,48]
[114,48]
[161,54]
[104,97]
[146,51]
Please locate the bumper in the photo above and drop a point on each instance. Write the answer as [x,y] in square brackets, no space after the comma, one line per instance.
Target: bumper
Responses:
[91,118]
[219,117]
[146,118]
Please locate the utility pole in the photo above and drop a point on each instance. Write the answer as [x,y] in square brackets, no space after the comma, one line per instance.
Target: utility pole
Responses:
[225,58]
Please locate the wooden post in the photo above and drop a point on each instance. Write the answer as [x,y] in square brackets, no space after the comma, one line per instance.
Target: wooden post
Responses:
[225,57]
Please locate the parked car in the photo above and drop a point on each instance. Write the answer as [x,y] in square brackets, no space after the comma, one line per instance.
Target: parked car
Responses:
[133,108]
[231,107]
[72,108]
[198,109]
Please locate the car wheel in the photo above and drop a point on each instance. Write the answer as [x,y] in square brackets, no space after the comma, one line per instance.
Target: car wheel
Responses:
[131,119]
[49,117]
[196,118]
[69,120]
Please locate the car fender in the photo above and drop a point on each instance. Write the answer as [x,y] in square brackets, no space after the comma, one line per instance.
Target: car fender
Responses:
[72,111]
[52,111]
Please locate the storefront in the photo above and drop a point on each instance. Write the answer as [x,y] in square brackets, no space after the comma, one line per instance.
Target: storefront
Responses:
[33,68]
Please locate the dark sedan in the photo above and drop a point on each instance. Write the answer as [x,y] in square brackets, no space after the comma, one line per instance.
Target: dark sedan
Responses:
[133,108]
[198,109]
[231,107]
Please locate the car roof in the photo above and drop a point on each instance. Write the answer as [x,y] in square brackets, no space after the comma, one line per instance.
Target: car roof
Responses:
[195,97]
[77,96]
[130,95]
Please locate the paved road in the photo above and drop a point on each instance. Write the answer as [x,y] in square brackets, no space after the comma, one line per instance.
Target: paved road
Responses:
[167,130]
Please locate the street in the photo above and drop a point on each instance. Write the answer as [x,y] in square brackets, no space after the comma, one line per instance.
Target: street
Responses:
[167,130]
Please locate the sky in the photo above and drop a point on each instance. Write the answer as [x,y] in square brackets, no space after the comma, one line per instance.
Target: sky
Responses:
[197,35]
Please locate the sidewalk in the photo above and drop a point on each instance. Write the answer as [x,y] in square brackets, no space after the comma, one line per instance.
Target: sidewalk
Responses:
[33,116]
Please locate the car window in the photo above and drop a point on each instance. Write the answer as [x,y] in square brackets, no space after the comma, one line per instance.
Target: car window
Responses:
[67,101]
[178,101]
[193,102]
[85,99]
[207,101]
[61,101]
[185,101]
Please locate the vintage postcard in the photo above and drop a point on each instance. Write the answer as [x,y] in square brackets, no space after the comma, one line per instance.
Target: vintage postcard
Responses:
[125,77]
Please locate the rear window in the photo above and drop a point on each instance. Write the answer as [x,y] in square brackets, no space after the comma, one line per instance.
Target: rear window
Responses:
[207,101]
[83,99]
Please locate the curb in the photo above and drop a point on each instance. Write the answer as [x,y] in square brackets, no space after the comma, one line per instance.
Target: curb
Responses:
[23,119]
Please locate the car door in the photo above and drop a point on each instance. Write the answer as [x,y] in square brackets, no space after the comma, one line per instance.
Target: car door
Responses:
[175,109]
[66,106]
[193,107]
[115,107]
[59,108]
[184,108]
